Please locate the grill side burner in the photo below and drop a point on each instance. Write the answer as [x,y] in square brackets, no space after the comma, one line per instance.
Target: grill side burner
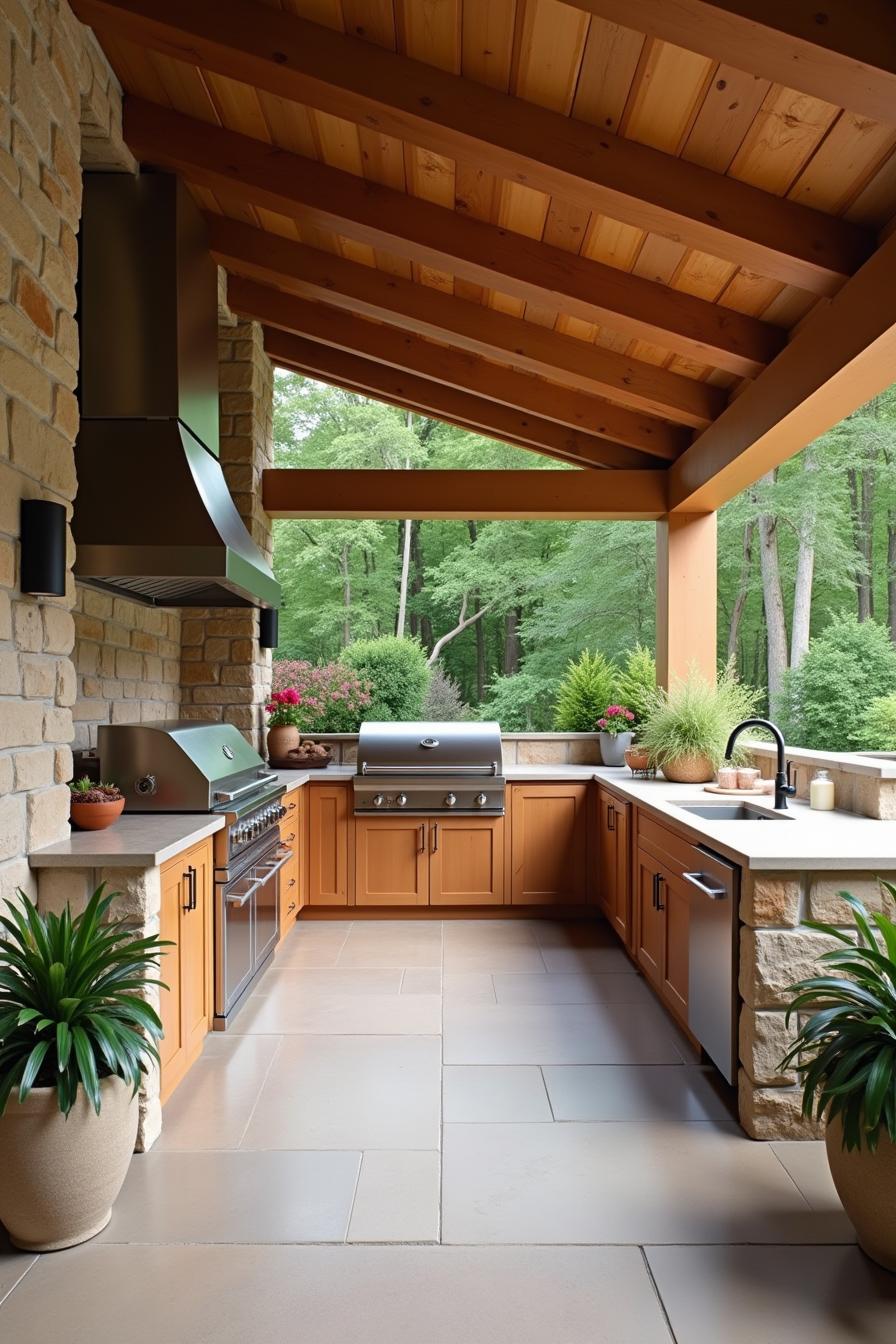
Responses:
[426,767]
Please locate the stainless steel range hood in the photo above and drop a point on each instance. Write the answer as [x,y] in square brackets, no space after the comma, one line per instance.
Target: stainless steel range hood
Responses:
[153,518]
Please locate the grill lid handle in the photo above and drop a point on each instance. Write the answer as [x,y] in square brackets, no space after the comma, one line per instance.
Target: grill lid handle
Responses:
[429,742]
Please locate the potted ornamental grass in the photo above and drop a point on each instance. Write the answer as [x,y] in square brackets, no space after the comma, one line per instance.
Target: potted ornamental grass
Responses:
[845,1056]
[95,806]
[686,728]
[616,733]
[76,1037]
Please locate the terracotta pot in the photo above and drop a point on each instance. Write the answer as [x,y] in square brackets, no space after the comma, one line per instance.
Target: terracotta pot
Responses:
[96,816]
[636,758]
[866,1184]
[61,1175]
[689,770]
[282,740]
[613,747]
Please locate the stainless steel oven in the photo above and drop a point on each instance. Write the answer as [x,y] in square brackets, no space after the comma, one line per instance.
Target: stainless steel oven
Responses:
[247,924]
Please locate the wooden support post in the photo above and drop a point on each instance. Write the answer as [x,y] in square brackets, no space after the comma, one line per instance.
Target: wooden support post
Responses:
[686,565]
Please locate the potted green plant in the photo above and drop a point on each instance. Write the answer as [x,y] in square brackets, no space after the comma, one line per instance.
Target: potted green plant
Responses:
[845,1055]
[76,1035]
[637,687]
[95,806]
[686,728]
[615,725]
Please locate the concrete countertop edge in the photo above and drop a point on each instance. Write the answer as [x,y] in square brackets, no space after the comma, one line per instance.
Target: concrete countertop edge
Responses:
[127,844]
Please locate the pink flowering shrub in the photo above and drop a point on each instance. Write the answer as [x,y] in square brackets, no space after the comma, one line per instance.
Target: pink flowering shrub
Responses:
[616,719]
[329,698]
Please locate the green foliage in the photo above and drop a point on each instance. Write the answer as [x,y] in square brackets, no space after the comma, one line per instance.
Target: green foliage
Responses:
[695,718]
[444,702]
[521,703]
[845,1052]
[329,698]
[398,674]
[71,1005]
[880,725]
[824,703]
[637,682]
[586,690]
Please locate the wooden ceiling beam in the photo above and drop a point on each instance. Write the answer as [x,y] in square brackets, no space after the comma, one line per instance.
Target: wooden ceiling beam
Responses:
[411,393]
[293,492]
[312,274]
[254,173]
[842,53]
[842,356]
[514,139]
[456,368]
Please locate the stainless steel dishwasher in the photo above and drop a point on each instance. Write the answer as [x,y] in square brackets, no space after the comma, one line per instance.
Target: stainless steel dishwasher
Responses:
[712,956]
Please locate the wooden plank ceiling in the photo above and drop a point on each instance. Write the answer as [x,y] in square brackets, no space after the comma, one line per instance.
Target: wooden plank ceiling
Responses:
[596,266]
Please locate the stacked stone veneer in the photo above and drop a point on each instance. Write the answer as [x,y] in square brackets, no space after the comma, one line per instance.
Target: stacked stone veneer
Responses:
[224,673]
[127,659]
[59,106]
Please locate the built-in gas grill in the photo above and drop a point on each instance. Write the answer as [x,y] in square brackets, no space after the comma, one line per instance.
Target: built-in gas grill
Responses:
[429,767]
[182,766]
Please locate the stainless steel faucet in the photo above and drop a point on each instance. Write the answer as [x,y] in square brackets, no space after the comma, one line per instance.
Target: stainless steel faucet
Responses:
[783,787]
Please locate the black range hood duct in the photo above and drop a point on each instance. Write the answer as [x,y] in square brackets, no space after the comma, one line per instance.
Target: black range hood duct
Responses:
[153,518]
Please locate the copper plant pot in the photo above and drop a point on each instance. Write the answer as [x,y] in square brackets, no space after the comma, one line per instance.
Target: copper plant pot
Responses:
[282,739]
[637,758]
[866,1184]
[689,770]
[96,816]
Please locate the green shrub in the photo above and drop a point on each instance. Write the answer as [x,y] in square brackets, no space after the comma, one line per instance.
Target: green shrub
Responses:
[444,702]
[637,682]
[586,690]
[824,703]
[521,703]
[695,717]
[879,730]
[397,671]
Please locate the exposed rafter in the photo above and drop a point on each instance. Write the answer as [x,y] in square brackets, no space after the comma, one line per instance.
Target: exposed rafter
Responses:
[254,173]
[310,273]
[297,493]
[403,350]
[410,392]
[842,53]
[545,150]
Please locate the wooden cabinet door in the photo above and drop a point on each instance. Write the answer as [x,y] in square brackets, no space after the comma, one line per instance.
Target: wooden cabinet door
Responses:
[621,912]
[196,952]
[607,853]
[172,1048]
[391,861]
[549,844]
[676,911]
[649,922]
[466,861]
[290,884]
[328,844]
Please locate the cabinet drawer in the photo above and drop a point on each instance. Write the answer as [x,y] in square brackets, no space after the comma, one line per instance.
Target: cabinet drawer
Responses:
[674,850]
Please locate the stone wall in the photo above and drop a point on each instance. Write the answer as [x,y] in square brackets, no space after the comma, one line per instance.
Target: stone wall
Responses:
[127,660]
[224,673]
[59,105]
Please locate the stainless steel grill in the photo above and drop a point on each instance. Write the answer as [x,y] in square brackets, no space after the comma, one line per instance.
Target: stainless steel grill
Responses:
[430,767]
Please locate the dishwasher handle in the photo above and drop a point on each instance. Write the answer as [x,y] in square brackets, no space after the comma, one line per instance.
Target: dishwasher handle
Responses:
[714,893]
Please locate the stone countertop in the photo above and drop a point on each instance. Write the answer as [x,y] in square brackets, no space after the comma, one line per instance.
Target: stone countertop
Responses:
[801,840]
[139,840]
[516,774]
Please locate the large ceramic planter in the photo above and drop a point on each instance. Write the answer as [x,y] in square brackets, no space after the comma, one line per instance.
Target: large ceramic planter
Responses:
[61,1175]
[96,816]
[689,770]
[281,741]
[866,1184]
[613,747]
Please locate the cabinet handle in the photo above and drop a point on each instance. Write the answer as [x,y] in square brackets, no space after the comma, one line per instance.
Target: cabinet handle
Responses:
[290,907]
[654,881]
[189,900]
[659,881]
[290,883]
[435,836]
[422,849]
[291,807]
[289,839]
[611,817]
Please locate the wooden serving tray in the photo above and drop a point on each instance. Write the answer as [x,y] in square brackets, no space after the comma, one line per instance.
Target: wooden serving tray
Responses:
[736,793]
[301,763]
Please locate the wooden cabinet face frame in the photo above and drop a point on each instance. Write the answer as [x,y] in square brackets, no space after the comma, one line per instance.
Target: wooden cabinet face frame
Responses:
[186,918]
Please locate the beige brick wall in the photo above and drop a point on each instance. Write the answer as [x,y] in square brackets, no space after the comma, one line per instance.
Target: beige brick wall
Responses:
[127,661]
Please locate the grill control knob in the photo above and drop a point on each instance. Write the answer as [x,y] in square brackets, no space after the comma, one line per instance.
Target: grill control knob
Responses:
[481,799]
[378,800]
[450,799]
[401,800]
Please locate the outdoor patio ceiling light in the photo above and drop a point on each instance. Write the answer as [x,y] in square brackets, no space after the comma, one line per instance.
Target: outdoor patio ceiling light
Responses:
[43,538]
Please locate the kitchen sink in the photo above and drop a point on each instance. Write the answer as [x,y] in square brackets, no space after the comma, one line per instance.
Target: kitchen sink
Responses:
[732,812]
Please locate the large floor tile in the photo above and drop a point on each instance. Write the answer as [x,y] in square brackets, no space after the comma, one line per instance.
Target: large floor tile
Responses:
[637,1182]
[397,1198]
[337,1013]
[421,980]
[574,933]
[212,1106]
[807,1165]
[469,986]
[488,1093]
[571,988]
[636,1092]
[393,944]
[306,982]
[568,1033]
[301,953]
[351,1092]
[493,956]
[14,1265]
[587,960]
[774,1294]
[339,1295]
[235,1197]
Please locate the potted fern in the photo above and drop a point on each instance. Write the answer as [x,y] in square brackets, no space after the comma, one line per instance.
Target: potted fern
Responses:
[686,728]
[76,1036]
[845,1055]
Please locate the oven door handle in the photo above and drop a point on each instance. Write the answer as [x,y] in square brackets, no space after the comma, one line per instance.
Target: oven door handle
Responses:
[267,870]
[241,900]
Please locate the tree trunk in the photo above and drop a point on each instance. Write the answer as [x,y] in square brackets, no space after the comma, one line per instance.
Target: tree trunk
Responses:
[405,556]
[346,596]
[512,642]
[463,623]
[805,571]
[480,629]
[861,500]
[743,588]
[773,600]
[421,625]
